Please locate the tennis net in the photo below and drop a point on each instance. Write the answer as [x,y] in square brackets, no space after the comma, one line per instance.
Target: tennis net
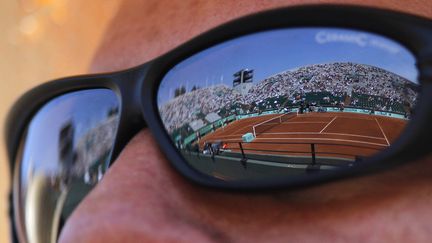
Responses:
[272,122]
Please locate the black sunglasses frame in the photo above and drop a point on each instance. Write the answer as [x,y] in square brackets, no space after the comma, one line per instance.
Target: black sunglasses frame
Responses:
[137,89]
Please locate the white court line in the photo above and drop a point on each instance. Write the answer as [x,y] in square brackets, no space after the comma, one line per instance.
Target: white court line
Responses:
[270,123]
[328,124]
[301,122]
[327,139]
[326,133]
[246,126]
[353,135]
[382,132]
[356,118]
[289,133]
[233,135]
[223,139]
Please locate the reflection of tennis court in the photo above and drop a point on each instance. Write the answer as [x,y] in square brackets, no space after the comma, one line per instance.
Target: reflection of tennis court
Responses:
[332,134]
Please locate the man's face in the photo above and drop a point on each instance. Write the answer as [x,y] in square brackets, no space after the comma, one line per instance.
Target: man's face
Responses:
[142,198]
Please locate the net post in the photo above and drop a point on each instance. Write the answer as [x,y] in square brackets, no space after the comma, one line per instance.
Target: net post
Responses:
[243,160]
[254,133]
[242,151]
[212,152]
[313,153]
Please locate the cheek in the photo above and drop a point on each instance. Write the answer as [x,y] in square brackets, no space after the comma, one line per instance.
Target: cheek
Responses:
[142,197]
[138,200]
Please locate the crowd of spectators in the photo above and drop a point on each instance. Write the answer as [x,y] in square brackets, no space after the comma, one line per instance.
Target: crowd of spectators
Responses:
[334,83]
[336,78]
[196,104]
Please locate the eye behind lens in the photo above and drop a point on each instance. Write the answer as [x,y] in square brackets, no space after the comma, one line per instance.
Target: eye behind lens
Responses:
[289,102]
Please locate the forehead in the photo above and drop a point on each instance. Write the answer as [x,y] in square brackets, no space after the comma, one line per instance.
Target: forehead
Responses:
[143,30]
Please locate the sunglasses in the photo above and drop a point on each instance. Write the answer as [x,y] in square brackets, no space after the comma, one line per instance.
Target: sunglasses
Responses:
[280,99]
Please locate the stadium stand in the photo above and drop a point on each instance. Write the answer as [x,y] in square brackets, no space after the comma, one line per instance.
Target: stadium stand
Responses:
[357,85]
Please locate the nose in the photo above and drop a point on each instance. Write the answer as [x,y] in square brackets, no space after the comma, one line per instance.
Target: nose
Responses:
[142,199]
[136,201]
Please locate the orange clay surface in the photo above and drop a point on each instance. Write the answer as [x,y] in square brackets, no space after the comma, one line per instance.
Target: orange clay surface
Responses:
[335,134]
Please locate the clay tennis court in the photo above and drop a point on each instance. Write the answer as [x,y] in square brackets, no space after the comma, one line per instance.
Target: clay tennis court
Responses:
[332,134]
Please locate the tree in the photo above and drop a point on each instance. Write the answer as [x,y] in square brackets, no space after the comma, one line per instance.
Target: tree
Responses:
[179,91]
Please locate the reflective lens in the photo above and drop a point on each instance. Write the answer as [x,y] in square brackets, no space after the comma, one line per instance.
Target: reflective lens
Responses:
[288,102]
[64,153]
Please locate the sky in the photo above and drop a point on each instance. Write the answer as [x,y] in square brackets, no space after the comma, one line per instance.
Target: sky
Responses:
[86,109]
[275,51]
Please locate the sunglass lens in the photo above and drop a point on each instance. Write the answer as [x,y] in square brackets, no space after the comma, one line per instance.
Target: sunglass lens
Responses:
[64,152]
[288,102]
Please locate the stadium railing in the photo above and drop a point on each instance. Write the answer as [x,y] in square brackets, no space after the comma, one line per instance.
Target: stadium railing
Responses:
[312,150]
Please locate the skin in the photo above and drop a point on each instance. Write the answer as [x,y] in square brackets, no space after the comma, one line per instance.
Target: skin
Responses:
[142,199]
